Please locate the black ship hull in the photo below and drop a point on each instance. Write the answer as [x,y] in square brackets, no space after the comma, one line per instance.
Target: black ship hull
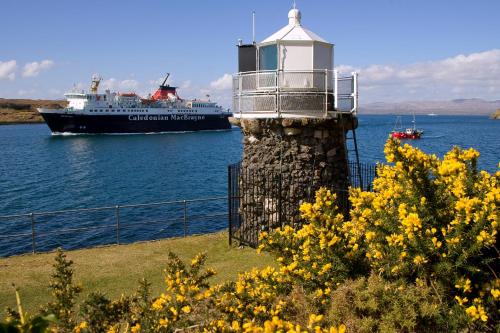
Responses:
[104,124]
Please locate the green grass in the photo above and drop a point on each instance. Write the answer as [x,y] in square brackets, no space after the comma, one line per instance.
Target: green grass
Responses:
[116,269]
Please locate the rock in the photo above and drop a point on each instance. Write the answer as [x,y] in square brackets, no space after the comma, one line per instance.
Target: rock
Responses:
[251,126]
[304,149]
[252,139]
[287,122]
[287,156]
[290,131]
[318,134]
[331,152]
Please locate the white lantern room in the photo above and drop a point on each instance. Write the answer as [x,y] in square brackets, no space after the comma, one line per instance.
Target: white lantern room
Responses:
[290,74]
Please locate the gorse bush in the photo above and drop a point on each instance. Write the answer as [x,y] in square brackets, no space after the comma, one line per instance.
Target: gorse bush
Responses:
[64,292]
[434,222]
[428,223]
[374,304]
[418,254]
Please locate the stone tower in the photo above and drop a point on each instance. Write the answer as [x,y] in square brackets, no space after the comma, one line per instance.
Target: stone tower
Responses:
[294,110]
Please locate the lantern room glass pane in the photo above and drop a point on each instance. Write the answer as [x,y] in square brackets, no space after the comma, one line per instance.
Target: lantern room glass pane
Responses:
[268,58]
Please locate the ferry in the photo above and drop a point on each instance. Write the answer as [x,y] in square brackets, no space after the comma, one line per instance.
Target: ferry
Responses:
[111,112]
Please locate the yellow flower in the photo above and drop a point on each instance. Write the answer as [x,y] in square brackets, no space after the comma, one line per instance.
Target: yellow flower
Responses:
[186,309]
[340,329]
[158,304]
[461,301]
[235,325]
[164,322]
[313,319]
[174,311]
[135,328]
[419,260]
[476,313]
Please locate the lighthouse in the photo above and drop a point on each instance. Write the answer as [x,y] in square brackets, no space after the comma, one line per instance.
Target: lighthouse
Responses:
[294,110]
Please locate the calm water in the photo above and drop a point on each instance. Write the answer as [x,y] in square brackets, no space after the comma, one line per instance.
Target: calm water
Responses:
[41,172]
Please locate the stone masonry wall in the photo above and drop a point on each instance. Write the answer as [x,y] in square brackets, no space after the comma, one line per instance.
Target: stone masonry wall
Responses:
[284,162]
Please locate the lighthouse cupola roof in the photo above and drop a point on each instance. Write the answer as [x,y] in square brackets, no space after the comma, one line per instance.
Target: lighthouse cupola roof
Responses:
[294,30]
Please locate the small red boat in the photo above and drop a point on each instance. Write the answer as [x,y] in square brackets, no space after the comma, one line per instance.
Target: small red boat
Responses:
[409,133]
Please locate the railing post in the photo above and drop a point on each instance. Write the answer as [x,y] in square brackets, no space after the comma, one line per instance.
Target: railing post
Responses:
[279,78]
[229,205]
[33,246]
[335,89]
[326,92]
[117,216]
[240,87]
[355,92]
[185,218]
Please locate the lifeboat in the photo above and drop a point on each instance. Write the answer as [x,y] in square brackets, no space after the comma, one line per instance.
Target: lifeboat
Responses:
[131,94]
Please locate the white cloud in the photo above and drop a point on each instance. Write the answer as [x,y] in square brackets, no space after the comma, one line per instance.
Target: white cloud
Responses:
[461,76]
[129,84]
[34,68]
[185,85]
[223,83]
[24,92]
[7,70]
[114,84]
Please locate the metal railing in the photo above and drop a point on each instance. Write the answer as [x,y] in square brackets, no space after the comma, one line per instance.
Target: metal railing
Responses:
[77,228]
[261,200]
[314,93]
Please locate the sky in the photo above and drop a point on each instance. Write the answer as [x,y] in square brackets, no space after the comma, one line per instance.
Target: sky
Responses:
[402,49]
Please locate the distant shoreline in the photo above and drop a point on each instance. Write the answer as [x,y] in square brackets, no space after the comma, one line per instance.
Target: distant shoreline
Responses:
[34,122]
[24,111]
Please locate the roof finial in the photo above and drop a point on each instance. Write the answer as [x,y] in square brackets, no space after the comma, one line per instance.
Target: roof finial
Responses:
[294,15]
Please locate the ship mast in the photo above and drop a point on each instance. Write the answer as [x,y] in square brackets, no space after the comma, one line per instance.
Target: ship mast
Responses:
[165,81]
[96,79]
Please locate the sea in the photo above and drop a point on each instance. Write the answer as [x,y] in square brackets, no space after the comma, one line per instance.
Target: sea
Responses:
[47,175]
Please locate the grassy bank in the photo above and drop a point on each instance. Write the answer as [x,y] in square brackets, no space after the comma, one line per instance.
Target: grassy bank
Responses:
[117,269]
[24,111]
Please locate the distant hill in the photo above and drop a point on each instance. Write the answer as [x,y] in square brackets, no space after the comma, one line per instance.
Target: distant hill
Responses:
[19,111]
[468,107]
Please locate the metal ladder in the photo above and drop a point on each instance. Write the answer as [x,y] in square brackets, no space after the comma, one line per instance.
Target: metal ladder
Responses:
[356,152]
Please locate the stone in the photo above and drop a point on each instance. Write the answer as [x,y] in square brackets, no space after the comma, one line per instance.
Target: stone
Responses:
[331,152]
[288,159]
[305,149]
[251,126]
[252,139]
[318,134]
[287,122]
[290,131]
